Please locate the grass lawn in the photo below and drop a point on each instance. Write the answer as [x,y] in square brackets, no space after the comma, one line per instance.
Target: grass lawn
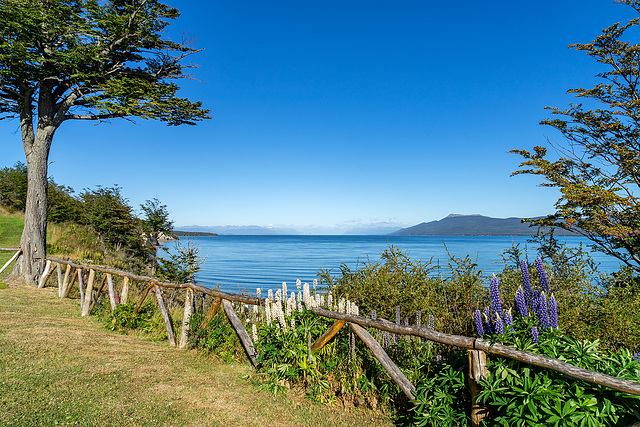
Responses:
[57,368]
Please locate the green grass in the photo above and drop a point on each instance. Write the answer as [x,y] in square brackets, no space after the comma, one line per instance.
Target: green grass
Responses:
[57,368]
[10,232]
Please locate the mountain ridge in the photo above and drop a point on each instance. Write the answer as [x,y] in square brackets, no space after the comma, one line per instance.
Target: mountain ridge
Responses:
[474,225]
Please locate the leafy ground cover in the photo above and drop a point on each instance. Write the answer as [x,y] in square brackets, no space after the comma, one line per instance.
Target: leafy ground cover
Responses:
[57,368]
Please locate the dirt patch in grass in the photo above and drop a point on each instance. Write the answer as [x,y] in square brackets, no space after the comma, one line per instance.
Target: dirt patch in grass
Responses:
[58,368]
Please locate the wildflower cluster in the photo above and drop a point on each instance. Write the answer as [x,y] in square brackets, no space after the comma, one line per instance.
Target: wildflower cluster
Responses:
[532,305]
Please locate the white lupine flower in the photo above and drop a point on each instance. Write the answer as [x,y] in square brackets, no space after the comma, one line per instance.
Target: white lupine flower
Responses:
[356,310]
[318,300]
[330,301]
[293,323]
[298,283]
[315,284]
[341,305]
[284,290]
[278,295]
[288,308]
[270,295]
[254,332]
[300,305]
[267,311]
[280,314]
[308,301]
[258,292]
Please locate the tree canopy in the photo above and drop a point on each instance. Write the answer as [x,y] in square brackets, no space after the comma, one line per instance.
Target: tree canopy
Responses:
[91,60]
[598,165]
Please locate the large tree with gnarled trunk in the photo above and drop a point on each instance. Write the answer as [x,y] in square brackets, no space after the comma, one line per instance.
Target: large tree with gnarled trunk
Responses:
[83,60]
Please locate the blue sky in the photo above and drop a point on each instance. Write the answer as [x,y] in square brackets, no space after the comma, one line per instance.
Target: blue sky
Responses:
[335,115]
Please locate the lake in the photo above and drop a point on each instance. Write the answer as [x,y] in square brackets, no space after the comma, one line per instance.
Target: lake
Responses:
[249,262]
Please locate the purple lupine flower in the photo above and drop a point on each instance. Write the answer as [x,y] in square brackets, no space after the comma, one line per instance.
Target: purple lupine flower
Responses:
[439,358]
[544,284]
[478,319]
[499,326]
[431,322]
[526,280]
[534,334]
[521,302]
[535,304]
[544,311]
[374,315]
[508,320]
[636,357]
[419,318]
[398,315]
[487,318]
[553,312]
[406,321]
[494,289]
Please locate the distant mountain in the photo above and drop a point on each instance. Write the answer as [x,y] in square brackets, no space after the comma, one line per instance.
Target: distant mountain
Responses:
[474,225]
[194,234]
[246,230]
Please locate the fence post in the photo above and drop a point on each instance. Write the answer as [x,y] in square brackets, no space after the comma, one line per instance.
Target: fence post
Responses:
[45,274]
[13,258]
[165,315]
[477,371]
[186,318]
[86,305]
[59,271]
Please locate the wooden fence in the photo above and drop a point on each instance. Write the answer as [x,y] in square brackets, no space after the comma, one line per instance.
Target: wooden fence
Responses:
[477,348]
[17,251]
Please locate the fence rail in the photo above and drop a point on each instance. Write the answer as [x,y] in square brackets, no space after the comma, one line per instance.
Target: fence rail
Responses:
[477,347]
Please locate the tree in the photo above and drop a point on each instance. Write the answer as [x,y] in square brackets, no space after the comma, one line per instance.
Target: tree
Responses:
[64,60]
[598,169]
[156,221]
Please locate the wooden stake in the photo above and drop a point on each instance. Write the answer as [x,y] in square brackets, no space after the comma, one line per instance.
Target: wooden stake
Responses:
[188,309]
[81,289]
[165,316]
[326,337]
[245,339]
[212,312]
[65,282]
[45,275]
[394,372]
[142,298]
[13,258]
[86,305]
[95,300]
[112,292]
[125,290]
[59,271]
[477,371]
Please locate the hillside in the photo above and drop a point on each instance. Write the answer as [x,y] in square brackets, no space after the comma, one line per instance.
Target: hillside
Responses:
[474,225]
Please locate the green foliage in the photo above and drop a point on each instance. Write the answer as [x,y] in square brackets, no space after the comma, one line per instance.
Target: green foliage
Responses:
[110,215]
[13,187]
[520,394]
[414,286]
[62,206]
[442,397]
[217,337]
[598,169]
[183,264]
[92,60]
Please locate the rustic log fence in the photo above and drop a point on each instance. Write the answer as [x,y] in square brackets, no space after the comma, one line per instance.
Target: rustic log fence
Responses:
[477,347]
[17,251]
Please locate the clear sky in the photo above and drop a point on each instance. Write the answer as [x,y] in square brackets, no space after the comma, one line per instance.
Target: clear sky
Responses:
[328,115]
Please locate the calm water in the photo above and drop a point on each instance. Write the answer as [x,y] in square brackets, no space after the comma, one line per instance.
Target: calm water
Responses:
[249,262]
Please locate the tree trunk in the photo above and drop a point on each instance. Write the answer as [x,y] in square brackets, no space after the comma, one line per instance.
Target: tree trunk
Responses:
[30,263]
